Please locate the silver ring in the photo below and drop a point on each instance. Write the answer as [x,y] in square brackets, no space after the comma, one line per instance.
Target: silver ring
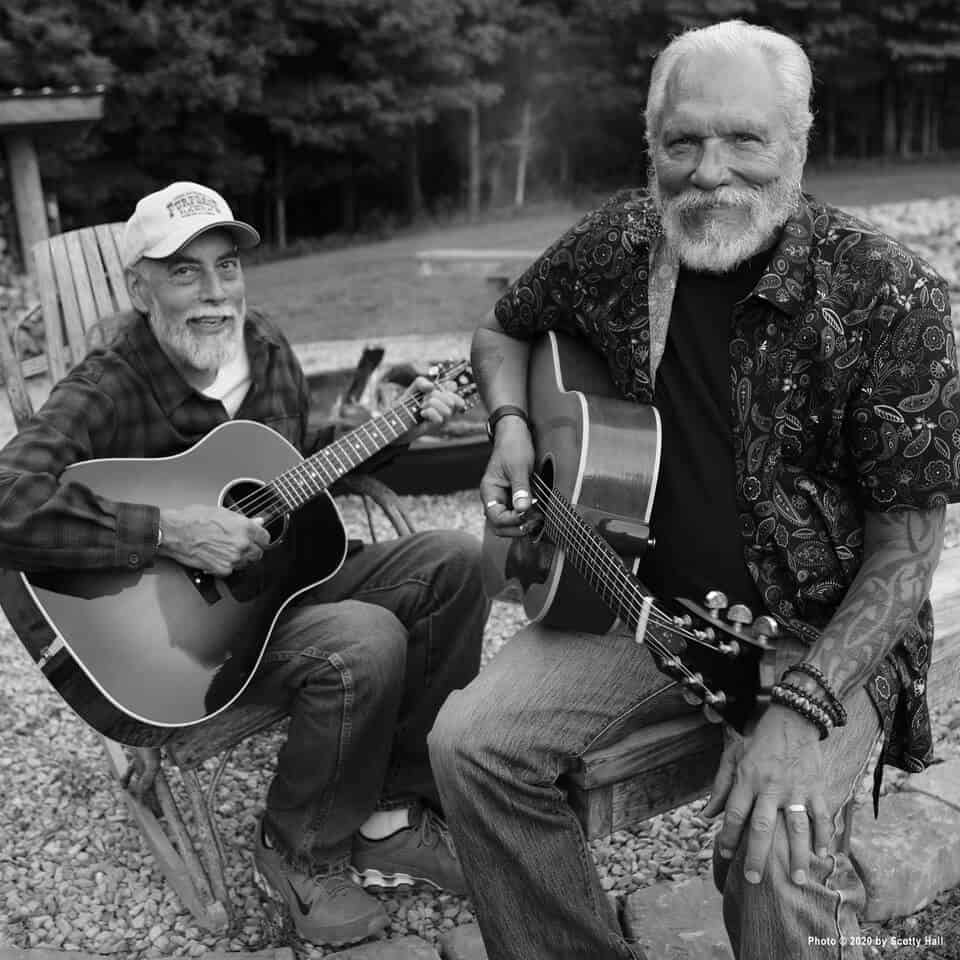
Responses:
[490,503]
[797,808]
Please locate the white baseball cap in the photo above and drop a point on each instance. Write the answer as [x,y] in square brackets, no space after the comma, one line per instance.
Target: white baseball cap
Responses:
[167,220]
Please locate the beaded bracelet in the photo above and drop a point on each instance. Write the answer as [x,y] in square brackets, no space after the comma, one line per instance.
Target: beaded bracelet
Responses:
[836,709]
[802,704]
[807,695]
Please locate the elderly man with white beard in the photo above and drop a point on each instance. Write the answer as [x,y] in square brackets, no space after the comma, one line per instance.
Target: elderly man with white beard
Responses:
[804,370]
[361,660]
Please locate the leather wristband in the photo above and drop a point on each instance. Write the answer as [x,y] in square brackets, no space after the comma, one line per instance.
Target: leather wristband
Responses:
[506,410]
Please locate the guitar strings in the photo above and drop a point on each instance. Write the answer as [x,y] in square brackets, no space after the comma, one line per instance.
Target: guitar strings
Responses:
[601,551]
[598,549]
[264,501]
[269,500]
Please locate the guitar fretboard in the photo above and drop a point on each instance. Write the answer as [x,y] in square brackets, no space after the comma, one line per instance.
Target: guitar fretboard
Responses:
[309,479]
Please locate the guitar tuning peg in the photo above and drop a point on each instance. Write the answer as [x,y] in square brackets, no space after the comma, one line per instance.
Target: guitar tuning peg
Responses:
[713,704]
[740,615]
[765,627]
[715,601]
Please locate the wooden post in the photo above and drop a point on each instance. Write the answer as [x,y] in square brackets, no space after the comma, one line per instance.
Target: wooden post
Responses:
[27,193]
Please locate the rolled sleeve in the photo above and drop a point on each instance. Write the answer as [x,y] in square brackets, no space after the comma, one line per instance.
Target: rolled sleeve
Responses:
[905,421]
[137,529]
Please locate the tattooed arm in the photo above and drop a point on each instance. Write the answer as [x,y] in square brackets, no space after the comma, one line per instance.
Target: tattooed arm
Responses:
[780,762]
[901,551]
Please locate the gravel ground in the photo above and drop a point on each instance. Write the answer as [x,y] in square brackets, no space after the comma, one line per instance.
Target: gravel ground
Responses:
[75,875]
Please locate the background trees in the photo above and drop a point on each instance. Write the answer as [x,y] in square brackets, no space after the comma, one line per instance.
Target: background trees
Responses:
[321,116]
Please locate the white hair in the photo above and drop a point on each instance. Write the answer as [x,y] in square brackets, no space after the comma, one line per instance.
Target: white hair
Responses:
[785,56]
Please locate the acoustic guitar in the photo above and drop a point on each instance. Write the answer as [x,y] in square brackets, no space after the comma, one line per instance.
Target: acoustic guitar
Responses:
[595,476]
[140,653]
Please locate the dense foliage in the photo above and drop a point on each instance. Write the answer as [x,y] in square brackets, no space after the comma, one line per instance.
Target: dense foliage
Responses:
[332,115]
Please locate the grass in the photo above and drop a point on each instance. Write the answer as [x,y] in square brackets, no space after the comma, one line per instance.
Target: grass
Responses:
[373,289]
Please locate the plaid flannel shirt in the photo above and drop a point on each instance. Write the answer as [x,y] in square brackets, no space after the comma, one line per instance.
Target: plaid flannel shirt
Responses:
[127,400]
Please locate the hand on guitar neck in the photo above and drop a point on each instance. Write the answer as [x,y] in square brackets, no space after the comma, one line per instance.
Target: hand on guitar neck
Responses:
[439,404]
[505,486]
[212,539]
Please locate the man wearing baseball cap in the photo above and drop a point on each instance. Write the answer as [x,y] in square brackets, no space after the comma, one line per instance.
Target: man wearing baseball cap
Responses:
[165,221]
[362,662]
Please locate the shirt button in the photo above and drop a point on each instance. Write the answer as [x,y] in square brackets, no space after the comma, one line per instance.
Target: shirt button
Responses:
[133,559]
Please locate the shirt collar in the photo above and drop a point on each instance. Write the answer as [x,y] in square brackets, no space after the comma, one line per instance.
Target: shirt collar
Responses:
[168,385]
[782,284]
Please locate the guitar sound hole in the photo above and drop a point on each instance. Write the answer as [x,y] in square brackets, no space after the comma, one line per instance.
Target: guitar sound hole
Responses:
[254,499]
[546,471]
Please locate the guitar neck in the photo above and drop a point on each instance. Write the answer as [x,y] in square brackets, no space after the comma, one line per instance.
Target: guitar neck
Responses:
[302,483]
[593,558]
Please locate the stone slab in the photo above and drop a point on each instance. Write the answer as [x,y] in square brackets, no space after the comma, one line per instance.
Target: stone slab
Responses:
[403,948]
[908,855]
[463,943]
[942,781]
[678,921]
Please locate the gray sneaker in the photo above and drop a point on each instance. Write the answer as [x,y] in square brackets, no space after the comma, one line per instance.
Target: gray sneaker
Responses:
[421,853]
[328,909]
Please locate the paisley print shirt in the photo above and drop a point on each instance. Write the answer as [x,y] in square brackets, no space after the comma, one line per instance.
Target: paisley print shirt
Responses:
[844,397]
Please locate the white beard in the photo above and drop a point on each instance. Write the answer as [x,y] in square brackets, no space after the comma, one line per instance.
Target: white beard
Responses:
[201,352]
[717,245]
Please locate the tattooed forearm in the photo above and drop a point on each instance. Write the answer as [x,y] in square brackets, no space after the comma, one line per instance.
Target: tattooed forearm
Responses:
[901,551]
[500,366]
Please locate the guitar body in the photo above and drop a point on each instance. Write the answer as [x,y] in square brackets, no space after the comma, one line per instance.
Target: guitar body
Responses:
[600,452]
[140,653]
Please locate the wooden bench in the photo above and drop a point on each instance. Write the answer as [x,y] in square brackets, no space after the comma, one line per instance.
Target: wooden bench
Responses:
[655,769]
[498,267]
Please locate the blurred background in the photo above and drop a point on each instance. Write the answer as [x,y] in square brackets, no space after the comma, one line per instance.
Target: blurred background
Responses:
[322,120]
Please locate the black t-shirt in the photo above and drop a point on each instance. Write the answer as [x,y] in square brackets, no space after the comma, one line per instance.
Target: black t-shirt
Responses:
[695,521]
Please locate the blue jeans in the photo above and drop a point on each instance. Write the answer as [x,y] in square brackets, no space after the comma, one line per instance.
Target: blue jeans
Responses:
[498,748]
[363,663]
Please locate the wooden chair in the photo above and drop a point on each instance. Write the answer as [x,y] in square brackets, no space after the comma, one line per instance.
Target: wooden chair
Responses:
[81,281]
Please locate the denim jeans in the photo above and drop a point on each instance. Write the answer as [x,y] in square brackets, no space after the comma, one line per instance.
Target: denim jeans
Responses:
[363,663]
[498,748]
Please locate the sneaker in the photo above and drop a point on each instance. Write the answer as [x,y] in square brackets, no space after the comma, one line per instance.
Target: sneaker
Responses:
[327,909]
[421,853]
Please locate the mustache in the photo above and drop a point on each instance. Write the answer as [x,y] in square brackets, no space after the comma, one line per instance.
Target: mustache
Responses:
[695,200]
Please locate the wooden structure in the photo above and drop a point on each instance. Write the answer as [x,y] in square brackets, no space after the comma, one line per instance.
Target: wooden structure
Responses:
[24,115]
[81,286]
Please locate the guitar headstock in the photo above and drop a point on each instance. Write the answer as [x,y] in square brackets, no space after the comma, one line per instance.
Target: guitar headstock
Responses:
[457,377]
[734,622]
[720,640]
